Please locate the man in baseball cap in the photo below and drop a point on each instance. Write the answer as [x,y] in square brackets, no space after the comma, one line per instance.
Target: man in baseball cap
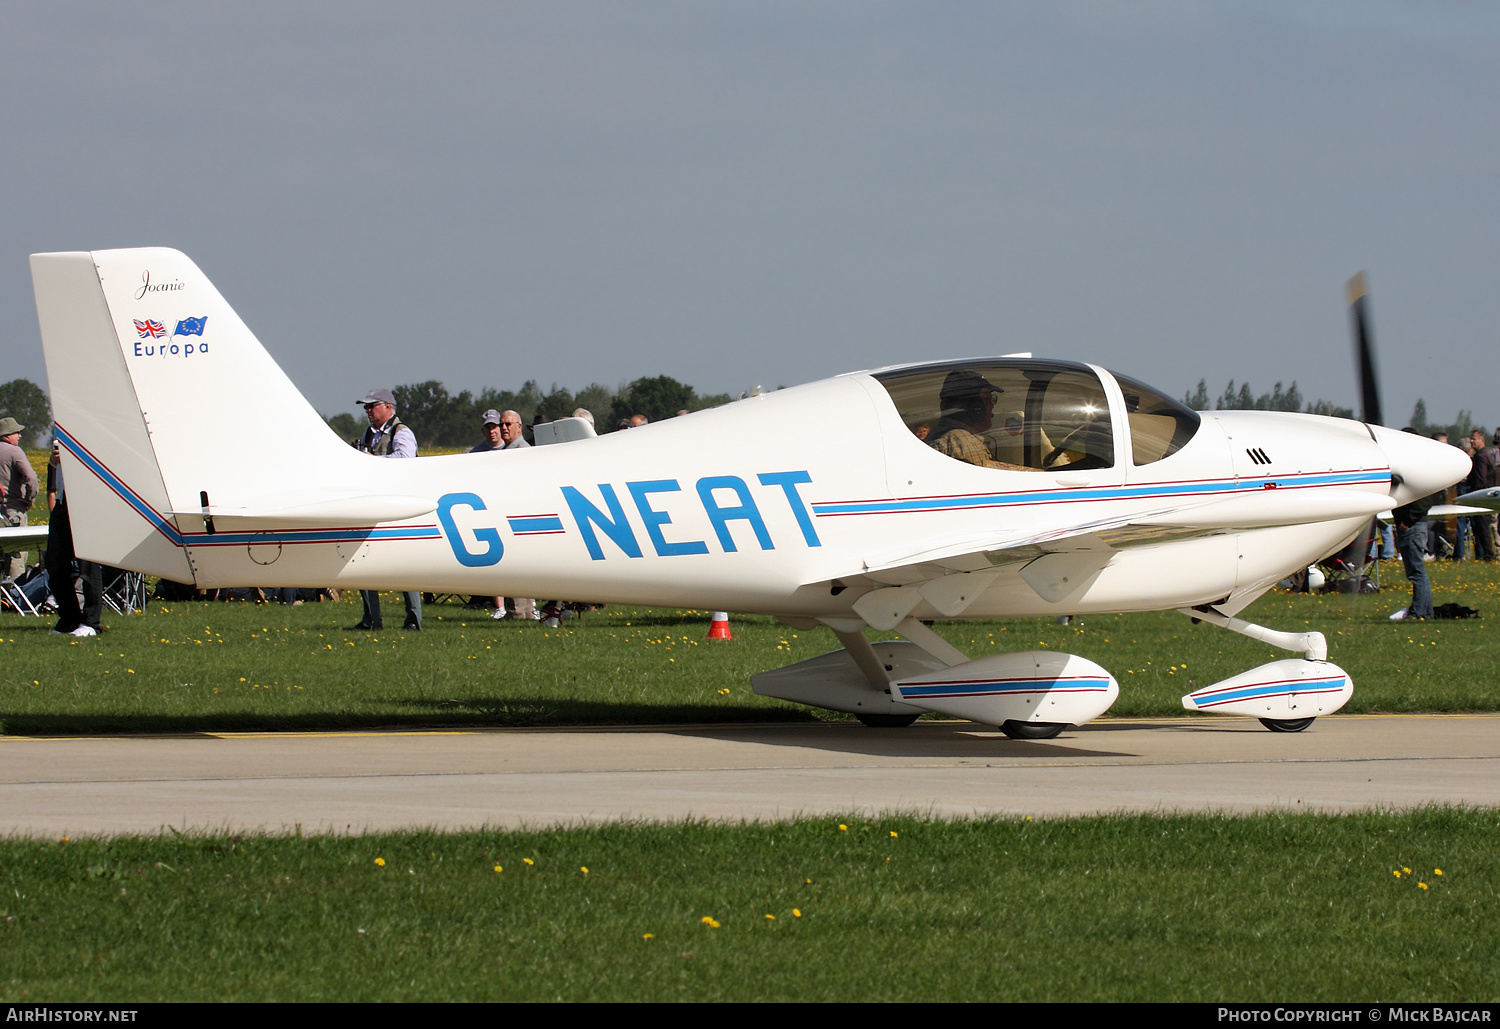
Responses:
[386,437]
[492,438]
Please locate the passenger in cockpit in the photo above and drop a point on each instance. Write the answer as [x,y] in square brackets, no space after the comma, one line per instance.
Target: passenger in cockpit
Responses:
[968,406]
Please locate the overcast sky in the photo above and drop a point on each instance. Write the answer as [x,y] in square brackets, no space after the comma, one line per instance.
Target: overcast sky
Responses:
[767,193]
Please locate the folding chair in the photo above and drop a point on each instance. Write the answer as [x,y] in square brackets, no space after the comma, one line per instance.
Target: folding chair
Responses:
[13,596]
[124,592]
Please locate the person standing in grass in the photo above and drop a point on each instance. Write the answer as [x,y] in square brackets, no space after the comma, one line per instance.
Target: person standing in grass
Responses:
[72,620]
[1411,543]
[386,437]
[18,486]
[1482,475]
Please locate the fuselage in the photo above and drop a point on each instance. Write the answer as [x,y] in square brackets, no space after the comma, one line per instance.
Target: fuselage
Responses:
[798,502]
[978,488]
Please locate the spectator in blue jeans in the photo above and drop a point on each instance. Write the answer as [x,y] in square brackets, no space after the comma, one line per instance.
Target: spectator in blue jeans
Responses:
[1411,543]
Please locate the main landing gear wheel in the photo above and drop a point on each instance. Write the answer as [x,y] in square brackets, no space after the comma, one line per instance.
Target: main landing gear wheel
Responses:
[1286,724]
[887,721]
[1032,730]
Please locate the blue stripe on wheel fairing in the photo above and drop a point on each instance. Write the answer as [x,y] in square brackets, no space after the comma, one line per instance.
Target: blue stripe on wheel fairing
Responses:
[1266,690]
[1004,687]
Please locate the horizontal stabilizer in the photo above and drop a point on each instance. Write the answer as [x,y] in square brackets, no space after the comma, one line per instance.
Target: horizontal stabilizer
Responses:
[312,510]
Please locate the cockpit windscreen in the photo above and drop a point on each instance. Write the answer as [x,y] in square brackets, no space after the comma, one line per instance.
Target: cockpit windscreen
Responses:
[1016,414]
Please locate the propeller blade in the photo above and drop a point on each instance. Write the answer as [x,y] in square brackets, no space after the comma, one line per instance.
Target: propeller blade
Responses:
[1364,352]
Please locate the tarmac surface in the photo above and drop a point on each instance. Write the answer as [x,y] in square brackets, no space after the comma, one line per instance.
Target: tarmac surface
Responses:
[449,780]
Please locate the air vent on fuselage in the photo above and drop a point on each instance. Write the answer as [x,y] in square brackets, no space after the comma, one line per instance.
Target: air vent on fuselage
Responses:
[1258,456]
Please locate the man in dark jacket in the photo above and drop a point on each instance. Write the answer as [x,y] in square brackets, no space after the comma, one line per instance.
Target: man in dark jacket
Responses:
[1482,476]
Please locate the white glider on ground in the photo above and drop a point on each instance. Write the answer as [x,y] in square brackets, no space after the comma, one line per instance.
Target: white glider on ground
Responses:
[833,503]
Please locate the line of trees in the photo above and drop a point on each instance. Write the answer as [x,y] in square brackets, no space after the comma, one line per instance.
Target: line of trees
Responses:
[440,419]
[1243,398]
[1457,429]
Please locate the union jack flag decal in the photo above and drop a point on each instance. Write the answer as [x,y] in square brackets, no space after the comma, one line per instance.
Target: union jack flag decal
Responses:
[150,329]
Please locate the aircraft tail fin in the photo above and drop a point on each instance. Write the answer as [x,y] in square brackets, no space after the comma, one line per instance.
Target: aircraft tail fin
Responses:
[151,375]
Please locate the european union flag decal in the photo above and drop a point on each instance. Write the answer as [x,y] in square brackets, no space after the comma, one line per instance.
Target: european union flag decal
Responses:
[190,326]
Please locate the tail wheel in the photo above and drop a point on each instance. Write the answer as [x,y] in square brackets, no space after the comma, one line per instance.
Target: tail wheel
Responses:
[1286,724]
[1032,730]
[887,721]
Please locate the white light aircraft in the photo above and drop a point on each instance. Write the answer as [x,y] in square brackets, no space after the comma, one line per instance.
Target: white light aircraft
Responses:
[845,503]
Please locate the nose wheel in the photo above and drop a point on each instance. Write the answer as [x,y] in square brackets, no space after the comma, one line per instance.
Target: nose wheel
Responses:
[1286,724]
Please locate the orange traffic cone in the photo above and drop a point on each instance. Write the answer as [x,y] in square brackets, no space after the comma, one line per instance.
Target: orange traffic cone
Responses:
[718,626]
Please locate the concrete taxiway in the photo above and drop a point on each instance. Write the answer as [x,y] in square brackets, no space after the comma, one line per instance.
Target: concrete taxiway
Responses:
[362,781]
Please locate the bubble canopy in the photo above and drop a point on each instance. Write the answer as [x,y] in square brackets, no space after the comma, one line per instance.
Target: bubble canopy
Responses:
[1022,414]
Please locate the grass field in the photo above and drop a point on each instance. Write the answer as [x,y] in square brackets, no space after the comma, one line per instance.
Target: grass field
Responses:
[205,666]
[1279,907]
[1273,907]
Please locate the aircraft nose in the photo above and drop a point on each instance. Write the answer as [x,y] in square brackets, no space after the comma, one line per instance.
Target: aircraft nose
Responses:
[1420,465]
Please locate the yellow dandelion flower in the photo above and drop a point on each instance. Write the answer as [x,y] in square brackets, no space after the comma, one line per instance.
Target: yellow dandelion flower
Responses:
[647,936]
[1396,872]
[1437,871]
[380,862]
[499,869]
[843,827]
[709,921]
[1406,871]
[894,835]
[584,869]
[528,861]
[1421,886]
[796,912]
[770,918]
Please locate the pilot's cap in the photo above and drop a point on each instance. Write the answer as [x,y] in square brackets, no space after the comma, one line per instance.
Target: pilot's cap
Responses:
[378,395]
[965,384]
[491,417]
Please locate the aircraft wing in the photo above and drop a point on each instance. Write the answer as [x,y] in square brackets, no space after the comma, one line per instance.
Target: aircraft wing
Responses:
[948,572]
[1487,498]
[1448,511]
[18,537]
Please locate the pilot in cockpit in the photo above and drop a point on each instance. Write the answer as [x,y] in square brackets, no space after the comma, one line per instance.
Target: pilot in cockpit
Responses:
[968,408]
